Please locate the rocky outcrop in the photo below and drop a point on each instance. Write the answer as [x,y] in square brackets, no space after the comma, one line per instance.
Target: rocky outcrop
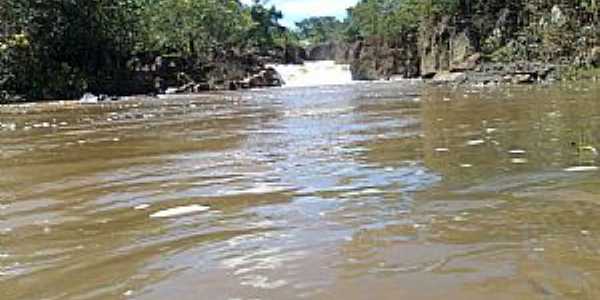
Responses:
[295,55]
[334,50]
[498,73]
[226,71]
[446,47]
[375,59]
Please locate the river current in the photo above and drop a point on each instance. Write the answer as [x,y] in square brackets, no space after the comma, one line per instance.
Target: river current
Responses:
[394,190]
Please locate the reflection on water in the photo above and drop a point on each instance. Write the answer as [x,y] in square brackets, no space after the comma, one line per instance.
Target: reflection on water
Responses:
[364,191]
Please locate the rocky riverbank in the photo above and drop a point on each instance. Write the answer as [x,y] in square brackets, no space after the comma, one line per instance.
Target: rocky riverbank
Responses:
[505,45]
[155,73]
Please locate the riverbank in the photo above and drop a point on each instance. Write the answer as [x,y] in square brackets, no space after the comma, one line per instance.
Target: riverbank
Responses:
[516,43]
[492,42]
[155,74]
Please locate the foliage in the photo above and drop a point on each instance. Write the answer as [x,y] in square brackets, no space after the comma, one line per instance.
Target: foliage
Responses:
[266,30]
[320,29]
[192,27]
[70,47]
[390,18]
[63,48]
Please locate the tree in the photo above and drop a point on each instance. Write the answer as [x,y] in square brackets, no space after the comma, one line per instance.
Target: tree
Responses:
[320,29]
[266,28]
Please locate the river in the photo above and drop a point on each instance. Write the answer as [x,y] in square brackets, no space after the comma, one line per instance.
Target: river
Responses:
[394,190]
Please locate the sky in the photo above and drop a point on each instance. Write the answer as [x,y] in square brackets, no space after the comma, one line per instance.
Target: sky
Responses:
[296,10]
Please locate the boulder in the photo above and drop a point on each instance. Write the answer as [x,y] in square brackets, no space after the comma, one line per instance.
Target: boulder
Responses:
[267,77]
[449,77]
[272,78]
[468,64]
[523,78]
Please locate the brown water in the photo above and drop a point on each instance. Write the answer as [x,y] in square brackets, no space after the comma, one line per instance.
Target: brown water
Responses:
[366,191]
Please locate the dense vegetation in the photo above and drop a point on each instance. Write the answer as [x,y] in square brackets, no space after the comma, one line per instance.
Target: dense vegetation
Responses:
[61,48]
[532,24]
[320,29]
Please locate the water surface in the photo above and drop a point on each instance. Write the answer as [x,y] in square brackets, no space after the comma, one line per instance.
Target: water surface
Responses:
[362,191]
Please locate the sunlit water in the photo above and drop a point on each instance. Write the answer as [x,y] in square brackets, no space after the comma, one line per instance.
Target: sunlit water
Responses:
[363,191]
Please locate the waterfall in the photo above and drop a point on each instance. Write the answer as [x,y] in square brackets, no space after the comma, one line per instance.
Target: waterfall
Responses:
[314,73]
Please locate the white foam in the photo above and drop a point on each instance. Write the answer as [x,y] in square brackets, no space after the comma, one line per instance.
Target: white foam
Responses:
[490,130]
[582,169]
[179,211]
[475,142]
[519,161]
[262,282]
[89,99]
[258,189]
[517,152]
[314,73]
[142,207]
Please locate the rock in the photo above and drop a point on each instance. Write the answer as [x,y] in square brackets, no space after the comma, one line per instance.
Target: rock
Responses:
[377,58]
[202,86]
[89,98]
[447,77]
[523,79]
[335,50]
[594,57]
[324,51]
[463,55]
[233,85]
[272,78]
[294,55]
[445,47]
[469,64]
[267,77]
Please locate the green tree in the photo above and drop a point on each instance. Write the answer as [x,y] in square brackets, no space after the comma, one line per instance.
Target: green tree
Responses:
[266,29]
[320,29]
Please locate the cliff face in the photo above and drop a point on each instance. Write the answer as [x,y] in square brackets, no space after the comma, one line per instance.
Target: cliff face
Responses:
[447,48]
[382,59]
[519,43]
[334,50]
[493,41]
[372,59]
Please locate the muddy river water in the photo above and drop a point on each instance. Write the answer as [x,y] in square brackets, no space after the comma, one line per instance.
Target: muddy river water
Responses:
[361,191]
